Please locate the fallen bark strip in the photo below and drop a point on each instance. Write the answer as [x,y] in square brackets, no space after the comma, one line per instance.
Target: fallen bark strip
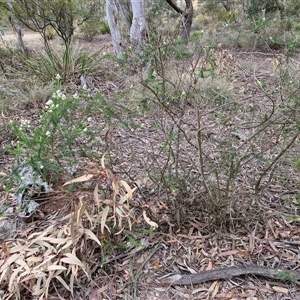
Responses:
[226,273]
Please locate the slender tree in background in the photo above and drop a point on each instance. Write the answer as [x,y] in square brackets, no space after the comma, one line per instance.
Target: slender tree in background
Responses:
[38,15]
[225,3]
[16,26]
[187,15]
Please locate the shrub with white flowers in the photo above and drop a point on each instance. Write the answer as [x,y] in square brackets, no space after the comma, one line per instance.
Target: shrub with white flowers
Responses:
[64,133]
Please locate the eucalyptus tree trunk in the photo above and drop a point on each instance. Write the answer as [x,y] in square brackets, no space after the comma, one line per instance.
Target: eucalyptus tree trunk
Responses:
[125,10]
[128,14]
[16,27]
[113,20]
[138,25]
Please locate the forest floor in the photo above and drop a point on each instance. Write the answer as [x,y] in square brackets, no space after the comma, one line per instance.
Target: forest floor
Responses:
[266,235]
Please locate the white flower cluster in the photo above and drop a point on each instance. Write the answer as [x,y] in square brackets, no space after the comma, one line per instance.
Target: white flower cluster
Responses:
[59,95]
[86,124]
[25,124]
[50,105]
[13,143]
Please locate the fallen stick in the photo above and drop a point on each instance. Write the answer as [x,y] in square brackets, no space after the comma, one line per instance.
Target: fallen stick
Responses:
[227,273]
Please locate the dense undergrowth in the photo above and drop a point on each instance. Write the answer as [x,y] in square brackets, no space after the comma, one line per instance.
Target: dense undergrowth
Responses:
[220,131]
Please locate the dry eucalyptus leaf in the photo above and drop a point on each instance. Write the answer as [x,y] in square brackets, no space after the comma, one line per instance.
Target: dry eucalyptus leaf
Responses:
[91,235]
[127,188]
[280,289]
[102,161]
[151,223]
[72,260]
[56,267]
[82,178]
[104,217]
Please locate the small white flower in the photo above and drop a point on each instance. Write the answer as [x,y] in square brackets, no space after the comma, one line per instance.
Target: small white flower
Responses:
[104,53]
[56,106]
[24,124]
[24,121]
[84,129]
[41,167]
[49,103]
[84,87]
[59,94]
[89,119]
[48,133]
[58,77]
[75,96]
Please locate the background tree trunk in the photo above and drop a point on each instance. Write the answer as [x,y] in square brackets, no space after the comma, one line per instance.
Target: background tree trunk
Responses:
[113,19]
[16,27]
[187,19]
[225,3]
[138,25]
[187,15]
[130,15]
[124,9]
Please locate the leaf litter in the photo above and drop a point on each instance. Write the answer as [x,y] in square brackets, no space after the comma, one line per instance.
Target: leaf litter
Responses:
[267,235]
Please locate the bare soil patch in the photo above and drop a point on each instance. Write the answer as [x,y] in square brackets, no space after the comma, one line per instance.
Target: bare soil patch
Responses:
[34,41]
